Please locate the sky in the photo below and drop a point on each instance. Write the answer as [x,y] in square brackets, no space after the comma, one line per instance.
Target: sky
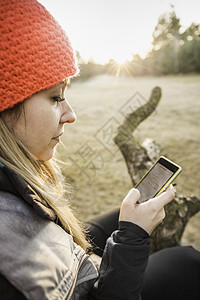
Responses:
[117,29]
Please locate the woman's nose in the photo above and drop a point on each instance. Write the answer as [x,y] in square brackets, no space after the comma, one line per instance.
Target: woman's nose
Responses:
[68,115]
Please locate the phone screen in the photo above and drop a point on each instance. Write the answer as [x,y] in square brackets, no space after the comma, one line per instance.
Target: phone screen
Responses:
[155,179]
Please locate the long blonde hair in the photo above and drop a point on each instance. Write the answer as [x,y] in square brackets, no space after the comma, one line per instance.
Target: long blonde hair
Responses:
[44,177]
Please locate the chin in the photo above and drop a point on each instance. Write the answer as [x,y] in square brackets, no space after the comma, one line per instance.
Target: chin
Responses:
[46,155]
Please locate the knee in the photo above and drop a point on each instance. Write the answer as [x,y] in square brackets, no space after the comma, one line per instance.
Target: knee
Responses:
[184,258]
[187,253]
[190,256]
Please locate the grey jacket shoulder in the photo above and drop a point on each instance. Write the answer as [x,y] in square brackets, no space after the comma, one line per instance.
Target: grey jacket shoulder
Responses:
[37,256]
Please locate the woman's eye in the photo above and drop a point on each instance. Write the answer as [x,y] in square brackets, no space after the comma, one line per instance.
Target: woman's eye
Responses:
[58,99]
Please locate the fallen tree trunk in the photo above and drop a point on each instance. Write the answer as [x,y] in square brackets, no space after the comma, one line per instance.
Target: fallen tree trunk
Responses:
[139,158]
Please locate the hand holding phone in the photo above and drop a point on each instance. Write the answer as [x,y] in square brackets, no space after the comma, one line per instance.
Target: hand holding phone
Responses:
[157,179]
[148,214]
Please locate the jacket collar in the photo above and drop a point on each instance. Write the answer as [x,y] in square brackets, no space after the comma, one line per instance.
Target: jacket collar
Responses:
[11,182]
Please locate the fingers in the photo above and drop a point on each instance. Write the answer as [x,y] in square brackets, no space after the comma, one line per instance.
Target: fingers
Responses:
[148,214]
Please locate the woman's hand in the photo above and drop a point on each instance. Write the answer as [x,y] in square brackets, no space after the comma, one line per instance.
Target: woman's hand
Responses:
[147,214]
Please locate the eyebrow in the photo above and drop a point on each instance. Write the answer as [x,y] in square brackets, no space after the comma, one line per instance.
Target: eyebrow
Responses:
[56,89]
[61,87]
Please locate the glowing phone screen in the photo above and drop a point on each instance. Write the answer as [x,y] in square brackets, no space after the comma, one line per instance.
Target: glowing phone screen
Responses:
[153,182]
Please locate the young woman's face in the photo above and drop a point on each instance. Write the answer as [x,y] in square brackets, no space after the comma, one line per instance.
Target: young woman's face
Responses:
[40,126]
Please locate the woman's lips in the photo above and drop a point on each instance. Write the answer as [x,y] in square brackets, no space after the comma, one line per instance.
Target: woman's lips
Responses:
[57,138]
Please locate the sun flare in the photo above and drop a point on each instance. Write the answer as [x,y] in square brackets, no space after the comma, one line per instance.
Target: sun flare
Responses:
[122,59]
[120,67]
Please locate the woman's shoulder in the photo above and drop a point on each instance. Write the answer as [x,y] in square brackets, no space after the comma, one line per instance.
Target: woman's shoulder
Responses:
[19,219]
[31,246]
[15,185]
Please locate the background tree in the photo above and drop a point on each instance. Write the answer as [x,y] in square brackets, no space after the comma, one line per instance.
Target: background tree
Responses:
[189,54]
[174,51]
[139,158]
[166,38]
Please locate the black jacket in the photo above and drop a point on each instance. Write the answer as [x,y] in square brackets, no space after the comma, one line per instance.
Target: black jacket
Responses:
[125,255]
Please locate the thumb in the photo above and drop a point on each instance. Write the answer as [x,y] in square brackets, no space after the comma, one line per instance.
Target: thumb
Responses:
[128,205]
[133,196]
[166,197]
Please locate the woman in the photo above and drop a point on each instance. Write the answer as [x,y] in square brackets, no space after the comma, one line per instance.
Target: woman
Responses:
[44,250]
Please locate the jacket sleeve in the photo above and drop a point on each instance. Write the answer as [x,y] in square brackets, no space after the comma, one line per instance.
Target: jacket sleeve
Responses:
[123,264]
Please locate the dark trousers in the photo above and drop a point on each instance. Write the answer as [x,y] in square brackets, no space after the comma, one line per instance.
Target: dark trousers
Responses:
[171,274]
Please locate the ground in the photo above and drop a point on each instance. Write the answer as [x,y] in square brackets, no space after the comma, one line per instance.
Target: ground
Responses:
[94,165]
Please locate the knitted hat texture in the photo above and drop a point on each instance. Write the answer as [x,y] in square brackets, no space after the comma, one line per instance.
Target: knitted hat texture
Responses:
[35,52]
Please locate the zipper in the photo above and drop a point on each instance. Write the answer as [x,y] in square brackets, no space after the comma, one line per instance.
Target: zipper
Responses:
[83,259]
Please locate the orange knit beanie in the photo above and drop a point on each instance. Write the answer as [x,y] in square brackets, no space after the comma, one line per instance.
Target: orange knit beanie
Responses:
[35,53]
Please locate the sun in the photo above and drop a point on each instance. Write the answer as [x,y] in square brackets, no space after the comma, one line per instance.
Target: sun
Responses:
[122,59]
[120,66]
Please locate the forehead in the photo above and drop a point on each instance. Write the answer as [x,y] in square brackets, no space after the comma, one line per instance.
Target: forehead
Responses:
[57,88]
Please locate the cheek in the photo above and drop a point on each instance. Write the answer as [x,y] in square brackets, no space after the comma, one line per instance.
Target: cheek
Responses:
[41,131]
[38,131]
[43,121]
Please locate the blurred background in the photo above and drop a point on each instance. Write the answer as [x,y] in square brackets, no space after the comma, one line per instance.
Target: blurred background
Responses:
[125,49]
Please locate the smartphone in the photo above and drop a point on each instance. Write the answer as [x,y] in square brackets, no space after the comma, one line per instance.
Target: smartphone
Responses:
[157,179]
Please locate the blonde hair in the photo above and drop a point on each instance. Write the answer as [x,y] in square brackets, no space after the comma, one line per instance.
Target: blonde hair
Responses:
[44,177]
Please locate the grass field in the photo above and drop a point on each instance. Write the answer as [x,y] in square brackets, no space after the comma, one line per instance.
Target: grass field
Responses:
[94,165]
